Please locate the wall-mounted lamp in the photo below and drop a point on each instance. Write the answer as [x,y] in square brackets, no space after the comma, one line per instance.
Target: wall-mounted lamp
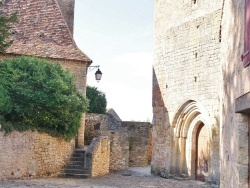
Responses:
[98,73]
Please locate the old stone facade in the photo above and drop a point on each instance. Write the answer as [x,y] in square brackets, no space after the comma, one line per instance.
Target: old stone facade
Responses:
[200,92]
[45,30]
[130,142]
[235,97]
[32,154]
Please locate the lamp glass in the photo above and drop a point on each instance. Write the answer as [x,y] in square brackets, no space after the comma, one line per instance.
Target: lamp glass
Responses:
[98,75]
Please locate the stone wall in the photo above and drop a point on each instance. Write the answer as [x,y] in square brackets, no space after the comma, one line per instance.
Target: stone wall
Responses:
[122,139]
[119,149]
[97,156]
[139,142]
[185,92]
[235,97]
[32,154]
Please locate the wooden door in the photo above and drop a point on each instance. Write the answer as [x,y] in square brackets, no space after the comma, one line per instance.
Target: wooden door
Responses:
[202,153]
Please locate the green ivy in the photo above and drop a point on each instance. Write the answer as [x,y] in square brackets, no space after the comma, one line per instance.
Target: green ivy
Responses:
[38,95]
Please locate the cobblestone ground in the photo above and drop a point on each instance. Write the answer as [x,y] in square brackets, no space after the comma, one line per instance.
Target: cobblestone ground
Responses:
[121,179]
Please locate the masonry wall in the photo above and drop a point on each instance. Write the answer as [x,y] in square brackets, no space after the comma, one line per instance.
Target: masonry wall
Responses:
[32,154]
[129,141]
[236,86]
[186,68]
[139,142]
[98,156]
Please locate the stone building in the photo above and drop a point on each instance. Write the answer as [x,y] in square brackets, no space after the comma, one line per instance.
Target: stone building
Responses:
[45,30]
[201,91]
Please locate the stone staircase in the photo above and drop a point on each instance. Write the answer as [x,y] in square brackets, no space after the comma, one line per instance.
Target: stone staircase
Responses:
[76,166]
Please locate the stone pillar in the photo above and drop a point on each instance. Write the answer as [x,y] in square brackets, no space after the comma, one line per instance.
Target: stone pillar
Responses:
[183,155]
[176,155]
[81,130]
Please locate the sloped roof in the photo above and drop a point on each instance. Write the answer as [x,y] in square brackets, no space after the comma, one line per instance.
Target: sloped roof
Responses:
[41,30]
[114,114]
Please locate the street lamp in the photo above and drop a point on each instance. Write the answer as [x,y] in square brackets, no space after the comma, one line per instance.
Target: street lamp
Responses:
[98,73]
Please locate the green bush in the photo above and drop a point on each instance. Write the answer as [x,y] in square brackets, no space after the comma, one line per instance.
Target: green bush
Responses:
[38,95]
[97,100]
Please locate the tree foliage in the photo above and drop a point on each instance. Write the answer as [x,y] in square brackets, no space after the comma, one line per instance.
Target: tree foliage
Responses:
[97,100]
[5,27]
[35,94]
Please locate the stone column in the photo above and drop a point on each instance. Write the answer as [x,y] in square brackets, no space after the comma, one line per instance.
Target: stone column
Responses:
[80,135]
[176,155]
[183,155]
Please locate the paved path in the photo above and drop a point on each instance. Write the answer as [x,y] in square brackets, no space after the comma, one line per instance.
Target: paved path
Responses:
[132,178]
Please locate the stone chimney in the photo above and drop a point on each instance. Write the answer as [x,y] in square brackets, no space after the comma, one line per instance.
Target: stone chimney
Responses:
[67,8]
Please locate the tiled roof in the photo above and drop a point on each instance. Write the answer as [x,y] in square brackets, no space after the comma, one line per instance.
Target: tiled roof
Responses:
[41,30]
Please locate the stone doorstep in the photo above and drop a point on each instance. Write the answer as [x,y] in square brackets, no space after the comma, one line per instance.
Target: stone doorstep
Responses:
[179,177]
[74,166]
[78,176]
[75,163]
[78,154]
[81,159]
[76,171]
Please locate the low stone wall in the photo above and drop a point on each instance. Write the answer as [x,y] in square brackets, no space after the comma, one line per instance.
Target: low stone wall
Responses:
[97,156]
[130,142]
[139,142]
[32,154]
[119,150]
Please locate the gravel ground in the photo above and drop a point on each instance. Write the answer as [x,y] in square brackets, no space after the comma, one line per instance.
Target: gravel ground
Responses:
[132,178]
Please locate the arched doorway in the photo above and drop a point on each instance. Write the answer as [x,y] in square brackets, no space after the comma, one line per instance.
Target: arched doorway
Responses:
[192,154]
[202,154]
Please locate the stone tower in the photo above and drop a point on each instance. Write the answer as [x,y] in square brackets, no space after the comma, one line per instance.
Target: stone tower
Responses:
[186,89]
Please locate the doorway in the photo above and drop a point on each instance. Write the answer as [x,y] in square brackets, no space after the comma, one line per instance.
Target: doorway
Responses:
[202,153]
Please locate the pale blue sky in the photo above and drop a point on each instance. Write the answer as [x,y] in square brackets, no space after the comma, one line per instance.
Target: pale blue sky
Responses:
[117,35]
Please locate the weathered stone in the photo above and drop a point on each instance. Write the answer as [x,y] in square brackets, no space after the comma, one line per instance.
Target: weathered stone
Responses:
[33,154]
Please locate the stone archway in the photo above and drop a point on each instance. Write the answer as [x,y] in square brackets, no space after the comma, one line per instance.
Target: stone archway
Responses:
[192,130]
[202,152]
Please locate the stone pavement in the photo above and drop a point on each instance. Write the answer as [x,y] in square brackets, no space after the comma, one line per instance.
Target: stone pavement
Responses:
[131,178]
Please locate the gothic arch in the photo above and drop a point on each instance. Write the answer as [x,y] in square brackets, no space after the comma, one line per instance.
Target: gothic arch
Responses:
[189,117]
[186,114]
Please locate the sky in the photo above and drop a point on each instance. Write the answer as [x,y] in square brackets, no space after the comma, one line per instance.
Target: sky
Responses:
[117,35]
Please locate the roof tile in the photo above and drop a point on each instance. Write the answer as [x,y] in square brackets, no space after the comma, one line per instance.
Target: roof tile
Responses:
[41,30]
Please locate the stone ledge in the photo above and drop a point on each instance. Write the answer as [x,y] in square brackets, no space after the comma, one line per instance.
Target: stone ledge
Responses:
[242,104]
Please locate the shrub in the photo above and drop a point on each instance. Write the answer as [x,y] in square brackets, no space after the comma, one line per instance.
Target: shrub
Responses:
[97,100]
[38,95]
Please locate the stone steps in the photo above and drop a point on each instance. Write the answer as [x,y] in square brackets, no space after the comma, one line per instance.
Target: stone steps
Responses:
[76,167]
[178,177]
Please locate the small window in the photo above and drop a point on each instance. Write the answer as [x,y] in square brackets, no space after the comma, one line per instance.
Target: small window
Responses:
[97,126]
